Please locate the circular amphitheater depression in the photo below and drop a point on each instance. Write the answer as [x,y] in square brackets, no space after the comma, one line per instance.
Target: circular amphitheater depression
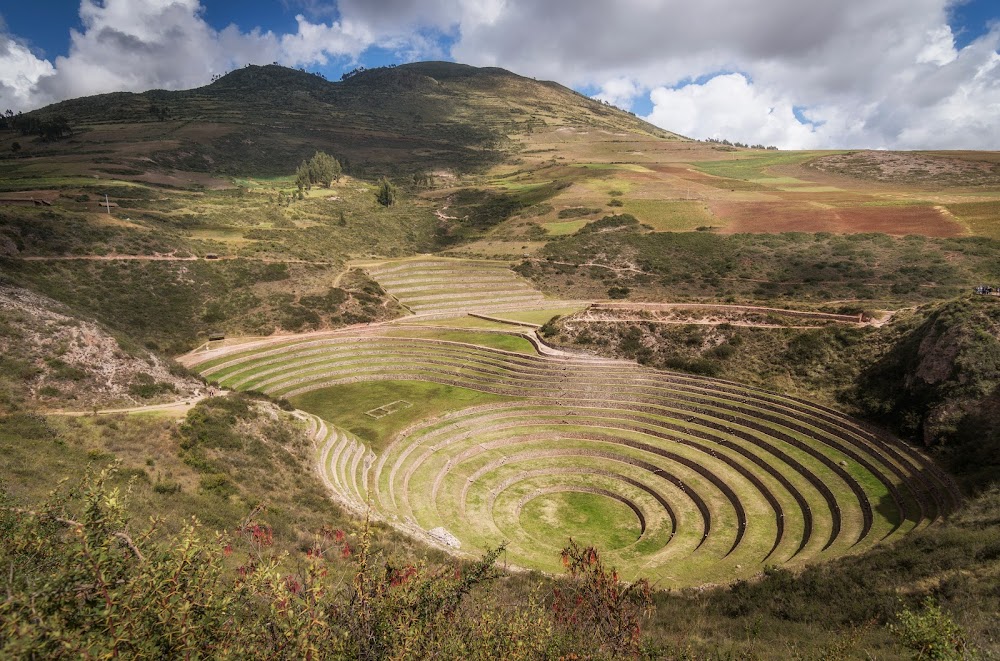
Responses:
[681,479]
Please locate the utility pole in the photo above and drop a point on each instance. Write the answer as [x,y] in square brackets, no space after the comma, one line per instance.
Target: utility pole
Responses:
[107,203]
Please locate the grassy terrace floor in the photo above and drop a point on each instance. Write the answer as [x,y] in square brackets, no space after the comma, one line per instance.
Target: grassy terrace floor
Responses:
[684,479]
[450,287]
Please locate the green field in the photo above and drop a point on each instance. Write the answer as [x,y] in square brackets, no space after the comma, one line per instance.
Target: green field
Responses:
[592,519]
[753,166]
[503,341]
[348,404]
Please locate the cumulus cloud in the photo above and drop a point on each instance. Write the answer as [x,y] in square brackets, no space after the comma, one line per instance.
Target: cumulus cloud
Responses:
[872,74]
[941,99]
[621,91]
[727,106]
[882,74]
[137,45]
[144,44]
[20,71]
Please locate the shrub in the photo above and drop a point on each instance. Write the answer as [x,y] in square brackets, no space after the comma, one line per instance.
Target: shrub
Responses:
[166,487]
[549,328]
[386,193]
[145,387]
[930,633]
[597,609]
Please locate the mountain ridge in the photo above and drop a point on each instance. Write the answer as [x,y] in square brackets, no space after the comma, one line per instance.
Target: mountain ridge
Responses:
[407,118]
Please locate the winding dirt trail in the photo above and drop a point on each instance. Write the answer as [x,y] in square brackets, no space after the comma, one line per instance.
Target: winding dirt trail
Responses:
[165,258]
[178,408]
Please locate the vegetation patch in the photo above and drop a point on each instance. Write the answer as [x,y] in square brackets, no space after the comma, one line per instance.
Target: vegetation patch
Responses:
[347,404]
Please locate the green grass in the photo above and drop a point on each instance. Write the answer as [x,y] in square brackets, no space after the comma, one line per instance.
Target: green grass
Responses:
[670,215]
[269,463]
[982,218]
[345,405]
[752,166]
[492,340]
[810,189]
[565,227]
[465,322]
[538,316]
[588,518]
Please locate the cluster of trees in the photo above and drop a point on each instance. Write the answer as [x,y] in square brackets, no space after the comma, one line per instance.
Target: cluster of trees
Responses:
[352,73]
[159,112]
[321,169]
[47,128]
[357,70]
[744,145]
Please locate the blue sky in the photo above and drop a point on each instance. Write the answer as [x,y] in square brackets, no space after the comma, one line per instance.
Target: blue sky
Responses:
[827,73]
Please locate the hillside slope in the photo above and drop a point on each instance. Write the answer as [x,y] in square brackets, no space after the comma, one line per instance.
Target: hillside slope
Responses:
[51,359]
[941,383]
[265,119]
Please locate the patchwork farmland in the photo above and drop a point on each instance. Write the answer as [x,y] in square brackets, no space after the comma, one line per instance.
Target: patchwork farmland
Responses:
[680,478]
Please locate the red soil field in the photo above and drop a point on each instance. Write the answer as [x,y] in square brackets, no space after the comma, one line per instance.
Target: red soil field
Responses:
[774,217]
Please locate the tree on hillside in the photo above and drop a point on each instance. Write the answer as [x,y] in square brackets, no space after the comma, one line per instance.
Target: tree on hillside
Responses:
[423,180]
[324,169]
[302,179]
[386,193]
[320,169]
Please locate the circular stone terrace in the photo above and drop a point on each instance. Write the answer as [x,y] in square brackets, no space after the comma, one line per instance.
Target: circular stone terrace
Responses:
[679,478]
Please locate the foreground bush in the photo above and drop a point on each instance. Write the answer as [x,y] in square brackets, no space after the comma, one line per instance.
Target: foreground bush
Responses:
[82,582]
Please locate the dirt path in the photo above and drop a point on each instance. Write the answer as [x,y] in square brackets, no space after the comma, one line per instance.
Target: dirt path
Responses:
[179,408]
[440,214]
[625,320]
[106,258]
[165,258]
[616,269]
[806,314]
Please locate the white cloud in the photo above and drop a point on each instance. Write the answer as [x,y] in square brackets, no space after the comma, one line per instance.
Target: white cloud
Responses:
[313,42]
[20,70]
[940,48]
[730,107]
[874,74]
[136,45]
[621,92]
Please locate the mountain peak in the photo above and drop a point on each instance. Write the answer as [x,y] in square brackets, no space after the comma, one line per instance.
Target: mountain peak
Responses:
[255,76]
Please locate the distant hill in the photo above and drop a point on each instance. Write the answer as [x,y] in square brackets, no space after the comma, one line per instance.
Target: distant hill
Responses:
[265,119]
